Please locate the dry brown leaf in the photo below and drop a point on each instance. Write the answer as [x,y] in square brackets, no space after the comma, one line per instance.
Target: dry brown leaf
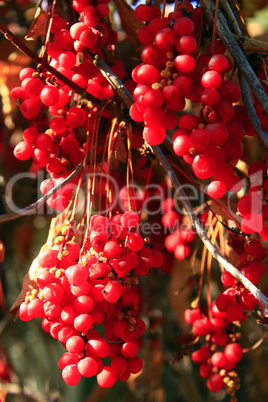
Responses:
[120,150]
[129,21]
[38,26]
[29,280]
[226,207]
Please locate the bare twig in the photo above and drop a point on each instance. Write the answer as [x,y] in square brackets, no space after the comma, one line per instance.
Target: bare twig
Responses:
[242,63]
[247,44]
[235,7]
[252,115]
[201,232]
[112,107]
[251,45]
[114,81]
[34,207]
[228,12]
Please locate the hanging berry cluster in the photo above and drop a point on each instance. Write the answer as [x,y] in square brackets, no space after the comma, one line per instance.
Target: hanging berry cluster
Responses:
[77,291]
[220,356]
[180,238]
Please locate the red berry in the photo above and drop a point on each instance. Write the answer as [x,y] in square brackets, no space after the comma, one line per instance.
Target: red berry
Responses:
[23,151]
[135,242]
[87,367]
[71,375]
[107,378]
[233,352]
[215,382]
[130,219]
[216,189]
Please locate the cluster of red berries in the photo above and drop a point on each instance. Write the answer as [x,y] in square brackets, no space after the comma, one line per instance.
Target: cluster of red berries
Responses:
[211,143]
[56,141]
[77,291]
[164,77]
[219,357]
[181,236]
[87,34]
[90,34]
[58,150]
[236,299]
[62,146]
[171,71]
[212,149]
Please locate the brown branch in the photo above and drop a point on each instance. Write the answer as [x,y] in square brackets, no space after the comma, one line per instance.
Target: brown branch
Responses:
[247,44]
[112,107]
[34,207]
[251,45]
[259,317]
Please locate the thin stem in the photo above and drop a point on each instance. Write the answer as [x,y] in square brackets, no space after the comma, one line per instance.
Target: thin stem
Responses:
[200,230]
[105,151]
[214,28]
[50,14]
[164,8]
[248,45]
[209,266]
[202,273]
[228,12]
[174,13]
[30,209]
[112,131]
[242,20]
[129,137]
[256,344]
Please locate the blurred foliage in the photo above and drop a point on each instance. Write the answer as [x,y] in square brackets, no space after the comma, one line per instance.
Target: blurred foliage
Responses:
[249,7]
